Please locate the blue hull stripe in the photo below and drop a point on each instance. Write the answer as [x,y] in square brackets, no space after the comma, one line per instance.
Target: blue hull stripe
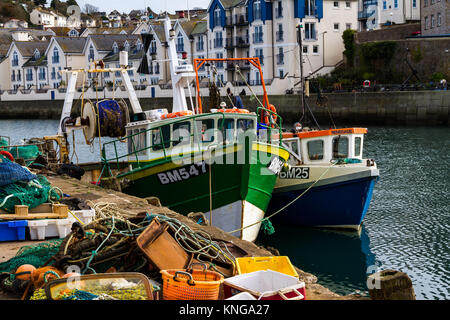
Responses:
[337,204]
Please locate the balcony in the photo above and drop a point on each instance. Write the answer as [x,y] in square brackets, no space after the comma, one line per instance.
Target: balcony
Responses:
[240,20]
[363,15]
[243,65]
[242,42]
[258,38]
[280,36]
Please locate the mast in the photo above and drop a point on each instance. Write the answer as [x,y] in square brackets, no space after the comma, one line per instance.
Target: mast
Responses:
[302,79]
[177,71]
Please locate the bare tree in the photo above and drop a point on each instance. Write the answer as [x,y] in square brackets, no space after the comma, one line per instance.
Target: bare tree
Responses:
[89,8]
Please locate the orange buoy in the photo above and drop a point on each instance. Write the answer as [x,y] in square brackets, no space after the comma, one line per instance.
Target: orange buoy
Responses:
[25,271]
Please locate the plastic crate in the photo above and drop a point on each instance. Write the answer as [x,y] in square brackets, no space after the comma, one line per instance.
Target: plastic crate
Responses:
[280,264]
[60,228]
[13,230]
[265,285]
[242,296]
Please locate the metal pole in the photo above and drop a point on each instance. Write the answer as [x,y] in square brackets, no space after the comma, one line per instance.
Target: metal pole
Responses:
[299,36]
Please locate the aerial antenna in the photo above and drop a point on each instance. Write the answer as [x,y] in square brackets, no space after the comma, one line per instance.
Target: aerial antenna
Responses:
[187,3]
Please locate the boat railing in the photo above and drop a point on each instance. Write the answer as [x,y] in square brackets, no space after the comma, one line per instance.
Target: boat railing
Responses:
[276,125]
[163,145]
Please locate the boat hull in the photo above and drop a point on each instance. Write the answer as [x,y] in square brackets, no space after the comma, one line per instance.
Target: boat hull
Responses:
[238,194]
[341,200]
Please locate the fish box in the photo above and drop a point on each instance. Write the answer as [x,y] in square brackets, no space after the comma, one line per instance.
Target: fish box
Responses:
[13,230]
[279,263]
[86,216]
[266,285]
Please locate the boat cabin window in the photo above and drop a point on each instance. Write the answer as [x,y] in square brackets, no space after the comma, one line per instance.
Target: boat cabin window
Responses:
[181,133]
[137,141]
[205,130]
[357,147]
[227,129]
[244,124]
[161,138]
[340,147]
[315,150]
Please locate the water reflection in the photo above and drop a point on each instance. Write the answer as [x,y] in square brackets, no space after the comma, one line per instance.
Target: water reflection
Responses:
[339,259]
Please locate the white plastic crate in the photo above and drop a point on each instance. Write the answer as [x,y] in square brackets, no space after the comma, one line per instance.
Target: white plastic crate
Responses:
[50,228]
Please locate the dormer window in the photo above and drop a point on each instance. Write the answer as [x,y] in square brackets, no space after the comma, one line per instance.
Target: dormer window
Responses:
[15,60]
[55,58]
[91,53]
[217,17]
[257,10]
[115,48]
[127,46]
[37,55]
[180,42]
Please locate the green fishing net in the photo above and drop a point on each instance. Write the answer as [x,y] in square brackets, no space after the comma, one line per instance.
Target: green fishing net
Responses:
[31,194]
[26,152]
[3,142]
[267,227]
[36,255]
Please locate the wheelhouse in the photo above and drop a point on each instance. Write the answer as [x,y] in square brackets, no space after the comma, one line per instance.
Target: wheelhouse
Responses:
[322,146]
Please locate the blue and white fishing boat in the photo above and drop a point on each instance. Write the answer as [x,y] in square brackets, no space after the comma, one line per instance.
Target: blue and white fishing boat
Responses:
[327,183]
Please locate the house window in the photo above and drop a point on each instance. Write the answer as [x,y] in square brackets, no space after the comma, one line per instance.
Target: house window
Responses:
[432,21]
[55,58]
[115,48]
[153,47]
[37,55]
[316,49]
[259,53]
[258,35]
[348,26]
[280,9]
[310,7]
[42,74]
[336,26]
[127,46]
[29,75]
[439,19]
[257,10]
[200,44]
[280,33]
[384,5]
[348,4]
[336,4]
[59,73]
[281,72]
[19,75]
[180,42]
[310,31]
[53,75]
[13,76]
[280,56]
[414,4]
[217,17]
[425,4]
[219,64]
[305,49]
[218,40]
[396,4]
[426,23]
[157,68]
[15,60]
[91,56]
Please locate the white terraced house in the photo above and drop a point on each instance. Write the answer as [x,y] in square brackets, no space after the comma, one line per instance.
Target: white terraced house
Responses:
[47,18]
[27,64]
[268,30]
[373,14]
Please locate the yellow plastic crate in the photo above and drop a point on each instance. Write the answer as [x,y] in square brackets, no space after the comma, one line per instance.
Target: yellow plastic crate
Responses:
[280,264]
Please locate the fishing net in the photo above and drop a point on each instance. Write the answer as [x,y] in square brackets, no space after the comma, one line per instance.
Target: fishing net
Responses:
[26,152]
[267,227]
[11,172]
[36,255]
[30,193]
[3,142]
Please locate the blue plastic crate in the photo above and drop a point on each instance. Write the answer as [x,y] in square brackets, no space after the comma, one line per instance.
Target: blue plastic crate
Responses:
[13,230]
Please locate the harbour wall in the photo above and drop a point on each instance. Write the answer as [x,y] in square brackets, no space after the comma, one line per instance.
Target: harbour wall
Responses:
[412,108]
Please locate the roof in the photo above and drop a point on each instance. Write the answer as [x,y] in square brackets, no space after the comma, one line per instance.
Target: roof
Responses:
[32,62]
[71,44]
[104,42]
[159,31]
[61,31]
[134,54]
[188,26]
[27,48]
[100,30]
[200,27]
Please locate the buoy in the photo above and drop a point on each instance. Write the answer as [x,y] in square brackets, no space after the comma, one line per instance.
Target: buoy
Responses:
[25,271]
[7,155]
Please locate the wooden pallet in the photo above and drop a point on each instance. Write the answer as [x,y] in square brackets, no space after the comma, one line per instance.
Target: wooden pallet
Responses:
[44,211]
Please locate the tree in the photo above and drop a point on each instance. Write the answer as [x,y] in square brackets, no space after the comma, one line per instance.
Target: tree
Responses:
[89,8]
[72,3]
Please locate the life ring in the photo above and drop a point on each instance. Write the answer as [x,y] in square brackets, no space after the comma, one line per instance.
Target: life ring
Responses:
[176,114]
[7,155]
[265,115]
[236,110]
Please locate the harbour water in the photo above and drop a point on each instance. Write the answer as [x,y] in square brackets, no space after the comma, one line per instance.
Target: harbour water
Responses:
[407,227]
